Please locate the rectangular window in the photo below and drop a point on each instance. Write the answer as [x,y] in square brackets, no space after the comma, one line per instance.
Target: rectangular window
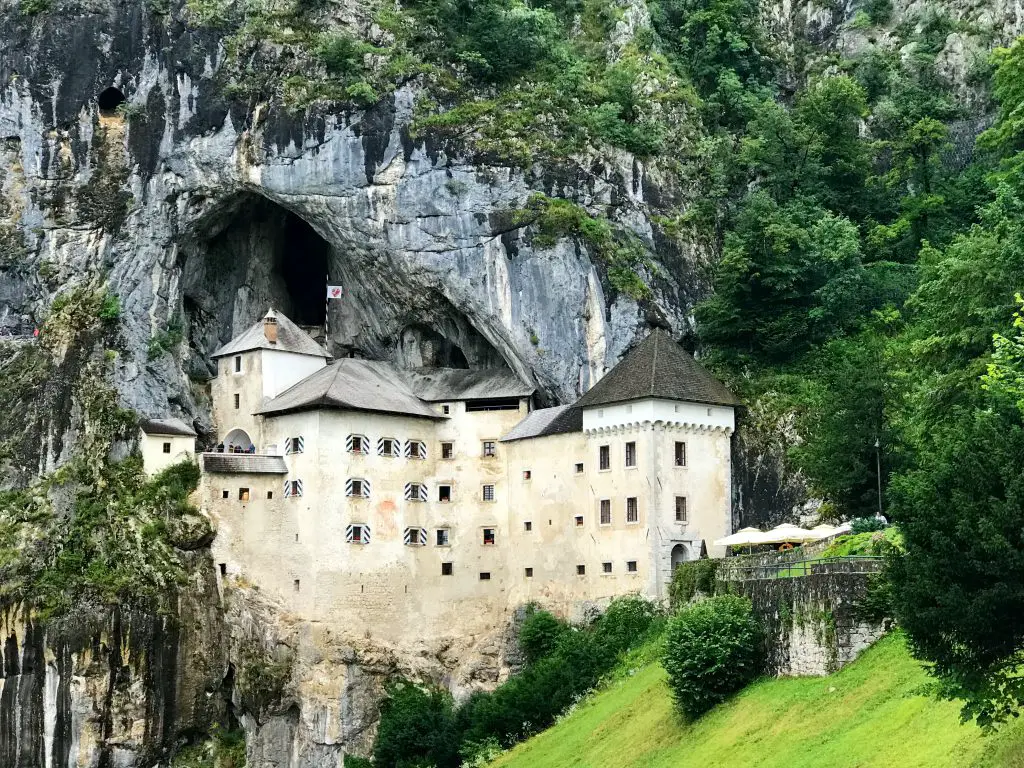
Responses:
[680,509]
[604,457]
[357,444]
[631,566]
[488,537]
[225,494]
[680,454]
[238,364]
[447,450]
[488,492]
[415,492]
[529,573]
[581,570]
[167,447]
[444,493]
[294,445]
[243,494]
[295,585]
[446,409]
[443,537]
[579,521]
[446,569]
[415,537]
[632,516]
[415,449]
[606,567]
[292,488]
[357,533]
[485,576]
[579,468]
[527,526]
[526,474]
[490,449]
[358,488]
[606,511]
[270,494]
[631,454]
[387,446]
[237,402]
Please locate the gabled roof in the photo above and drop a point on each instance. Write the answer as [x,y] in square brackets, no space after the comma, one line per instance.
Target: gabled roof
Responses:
[244,464]
[290,338]
[351,384]
[436,384]
[547,421]
[172,427]
[658,368]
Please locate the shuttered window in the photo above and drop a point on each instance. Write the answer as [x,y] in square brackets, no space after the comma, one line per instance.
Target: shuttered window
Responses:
[357,487]
[357,444]
[294,444]
[292,488]
[415,449]
[357,533]
[415,492]
[415,537]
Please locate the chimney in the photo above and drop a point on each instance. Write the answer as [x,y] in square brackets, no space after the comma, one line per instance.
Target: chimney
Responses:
[270,327]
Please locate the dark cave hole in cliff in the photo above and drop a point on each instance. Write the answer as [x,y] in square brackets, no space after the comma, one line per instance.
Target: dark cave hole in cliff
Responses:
[109,100]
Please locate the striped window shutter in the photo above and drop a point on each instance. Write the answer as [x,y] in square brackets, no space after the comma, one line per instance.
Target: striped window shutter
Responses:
[364,487]
[415,448]
[292,488]
[416,537]
[381,444]
[287,488]
[287,445]
[350,534]
[415,492]
[355,444]
[294,444]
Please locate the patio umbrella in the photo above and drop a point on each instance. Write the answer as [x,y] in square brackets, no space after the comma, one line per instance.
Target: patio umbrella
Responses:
[824,530]
[786,534]
[744,537]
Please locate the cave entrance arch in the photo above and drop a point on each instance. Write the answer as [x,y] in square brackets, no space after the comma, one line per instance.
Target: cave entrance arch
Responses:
[109,100]
[245,256]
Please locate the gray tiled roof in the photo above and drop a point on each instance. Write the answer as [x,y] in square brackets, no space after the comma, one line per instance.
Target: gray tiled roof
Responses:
[244,464]
[547,421]
[436,384]
[175,427]
[290,338]
[358,385]
[660,368]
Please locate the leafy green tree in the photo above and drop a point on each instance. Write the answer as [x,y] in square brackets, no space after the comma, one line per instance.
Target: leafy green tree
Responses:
[712,649]
[417,728]
[539,634]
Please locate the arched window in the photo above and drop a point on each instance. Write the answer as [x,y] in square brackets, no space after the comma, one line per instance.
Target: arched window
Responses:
[238,441]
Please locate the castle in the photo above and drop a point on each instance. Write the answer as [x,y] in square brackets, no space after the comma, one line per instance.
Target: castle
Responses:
[427,502]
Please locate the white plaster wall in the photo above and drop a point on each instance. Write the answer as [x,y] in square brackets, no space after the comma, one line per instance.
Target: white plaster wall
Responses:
[154,459]
[283,369]
[655,410]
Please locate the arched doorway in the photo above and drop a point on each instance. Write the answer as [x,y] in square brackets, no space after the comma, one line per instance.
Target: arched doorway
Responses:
[680,554]
[237,441]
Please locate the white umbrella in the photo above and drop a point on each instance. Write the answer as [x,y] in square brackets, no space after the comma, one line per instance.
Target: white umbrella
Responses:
[786,533]
[824,530]
[744,537]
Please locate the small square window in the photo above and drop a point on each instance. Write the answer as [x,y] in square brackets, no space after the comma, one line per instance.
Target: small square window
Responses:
[238,364]
[604,455]
[490,449]
[631,566]
[444,493]
[488,492]
[489,537]
[270,494]
[357,534]
[579,521]
[606,567]
[680,454]
[579,468]
[237,402]
[446,409]
[387,447]
[527,526]
[631,454]
[526,474]
[485,576]
[167,447]
[581,570]
[606,511]
[223,569]
[529,573]
[680,509]
[243,494]
[357,488]
[447,450]
[446,569]
[225,494]
[443,537]
[416,450]
[632,515]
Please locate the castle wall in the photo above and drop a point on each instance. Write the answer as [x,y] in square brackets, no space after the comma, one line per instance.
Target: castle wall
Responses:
[155,459]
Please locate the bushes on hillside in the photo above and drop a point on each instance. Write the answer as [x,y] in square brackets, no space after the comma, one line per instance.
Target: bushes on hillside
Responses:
[712,649]
[691,578]
[422,727]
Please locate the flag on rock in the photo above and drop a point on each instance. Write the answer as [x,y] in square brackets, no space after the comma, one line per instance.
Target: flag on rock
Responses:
[333,292]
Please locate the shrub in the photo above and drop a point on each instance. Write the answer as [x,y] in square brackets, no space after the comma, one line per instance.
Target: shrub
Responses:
[627,623]
[539,634]
[867,525]
[691,578]
[712,650]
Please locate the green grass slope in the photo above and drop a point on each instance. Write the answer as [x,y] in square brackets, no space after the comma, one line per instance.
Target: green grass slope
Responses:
[875,712]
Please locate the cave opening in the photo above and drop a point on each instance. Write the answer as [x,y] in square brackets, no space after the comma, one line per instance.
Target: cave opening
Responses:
[109,100]
[303,266]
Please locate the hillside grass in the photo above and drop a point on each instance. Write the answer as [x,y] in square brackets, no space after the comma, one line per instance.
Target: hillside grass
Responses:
[875,712]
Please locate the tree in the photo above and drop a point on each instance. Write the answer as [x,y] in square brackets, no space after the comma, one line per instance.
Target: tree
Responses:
[417,728]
